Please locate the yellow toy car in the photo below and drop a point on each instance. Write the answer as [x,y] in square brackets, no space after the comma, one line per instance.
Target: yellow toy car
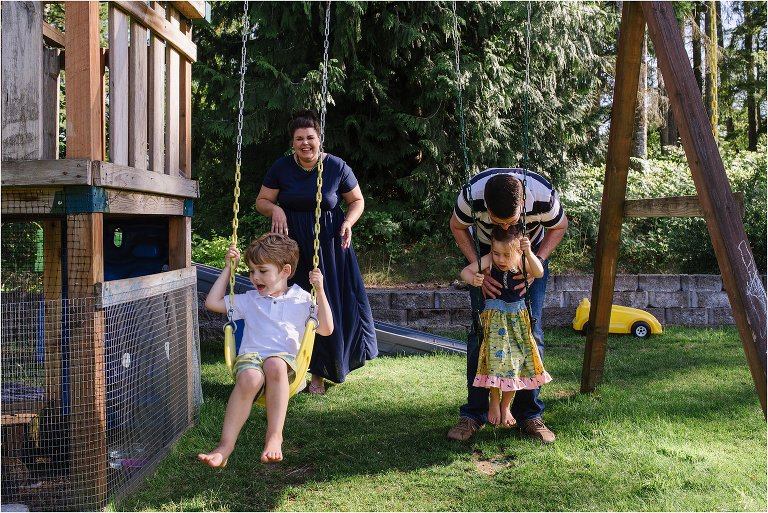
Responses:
[623,320]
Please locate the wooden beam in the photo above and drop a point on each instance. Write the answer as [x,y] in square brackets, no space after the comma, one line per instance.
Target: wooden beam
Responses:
[53,36]
[22,72]
[30,173]
[677,206]
[117,292]
[124,202]
[729,240]
[118,86]
[45,173]
[141,13]
[106,174]
[22,201]
[83,87]
[631,36]
[191,10]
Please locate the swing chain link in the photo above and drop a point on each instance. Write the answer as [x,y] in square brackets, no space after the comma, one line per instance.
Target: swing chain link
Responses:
[525,155]
[238,158]
[463,134]
[319,192]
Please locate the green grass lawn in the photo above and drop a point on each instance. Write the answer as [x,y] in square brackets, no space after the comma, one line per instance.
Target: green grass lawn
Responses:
[676,426]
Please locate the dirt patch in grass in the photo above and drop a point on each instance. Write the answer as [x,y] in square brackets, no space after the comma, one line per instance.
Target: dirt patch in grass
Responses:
[488,466]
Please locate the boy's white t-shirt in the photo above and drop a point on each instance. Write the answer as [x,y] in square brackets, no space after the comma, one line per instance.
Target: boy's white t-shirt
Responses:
[272,324]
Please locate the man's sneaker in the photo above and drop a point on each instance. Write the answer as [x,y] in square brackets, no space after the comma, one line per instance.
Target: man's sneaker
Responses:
[464,429]
[535,429]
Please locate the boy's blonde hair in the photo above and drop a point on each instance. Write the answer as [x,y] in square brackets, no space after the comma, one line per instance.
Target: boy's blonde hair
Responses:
[273,248]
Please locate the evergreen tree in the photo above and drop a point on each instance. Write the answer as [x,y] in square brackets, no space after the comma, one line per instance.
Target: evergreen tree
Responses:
[392,111]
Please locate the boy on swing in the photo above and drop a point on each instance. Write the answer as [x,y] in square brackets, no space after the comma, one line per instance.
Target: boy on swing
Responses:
[274,316]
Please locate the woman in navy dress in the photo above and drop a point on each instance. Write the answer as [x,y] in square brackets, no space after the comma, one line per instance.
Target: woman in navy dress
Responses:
[287,195]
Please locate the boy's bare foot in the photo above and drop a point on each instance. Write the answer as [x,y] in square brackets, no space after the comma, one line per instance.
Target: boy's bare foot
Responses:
[507,420]
[494,413]
[217,458]
[273,450]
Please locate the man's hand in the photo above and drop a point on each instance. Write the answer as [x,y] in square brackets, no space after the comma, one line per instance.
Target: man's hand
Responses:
[491,287]
[521,287]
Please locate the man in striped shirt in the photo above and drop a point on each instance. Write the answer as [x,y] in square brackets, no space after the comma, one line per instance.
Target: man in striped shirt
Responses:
[492,198]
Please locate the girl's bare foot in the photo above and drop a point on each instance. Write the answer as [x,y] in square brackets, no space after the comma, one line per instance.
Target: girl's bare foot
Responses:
[507,420]
[273,450]
[494,413]
[217,458]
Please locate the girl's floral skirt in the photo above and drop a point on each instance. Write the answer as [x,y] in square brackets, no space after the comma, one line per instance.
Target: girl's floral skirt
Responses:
[509,357]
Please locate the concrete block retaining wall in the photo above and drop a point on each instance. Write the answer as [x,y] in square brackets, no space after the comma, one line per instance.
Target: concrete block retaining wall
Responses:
[687,300]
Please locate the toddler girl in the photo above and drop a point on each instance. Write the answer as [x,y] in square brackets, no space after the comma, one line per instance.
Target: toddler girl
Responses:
[509,359]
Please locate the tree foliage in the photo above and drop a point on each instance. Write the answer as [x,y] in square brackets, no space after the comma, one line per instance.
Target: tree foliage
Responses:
[392,104]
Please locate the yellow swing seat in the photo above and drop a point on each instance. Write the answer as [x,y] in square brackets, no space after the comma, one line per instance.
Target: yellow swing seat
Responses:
[302,357]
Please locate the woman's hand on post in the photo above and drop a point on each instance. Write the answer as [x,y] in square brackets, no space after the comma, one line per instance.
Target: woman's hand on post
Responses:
[346,234]
[279,221]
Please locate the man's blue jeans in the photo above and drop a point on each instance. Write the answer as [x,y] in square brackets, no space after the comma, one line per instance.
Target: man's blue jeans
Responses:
[526,404]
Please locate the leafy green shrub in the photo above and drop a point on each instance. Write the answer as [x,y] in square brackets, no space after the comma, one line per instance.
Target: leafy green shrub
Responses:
[660,245]
[212,251]
[375,228]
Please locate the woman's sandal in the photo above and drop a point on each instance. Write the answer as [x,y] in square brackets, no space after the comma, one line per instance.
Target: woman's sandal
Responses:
[316,389]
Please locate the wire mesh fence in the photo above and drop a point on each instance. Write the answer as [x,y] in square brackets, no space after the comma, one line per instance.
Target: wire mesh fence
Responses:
[95,386]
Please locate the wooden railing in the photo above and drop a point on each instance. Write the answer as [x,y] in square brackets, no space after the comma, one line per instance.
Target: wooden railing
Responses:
[148,63]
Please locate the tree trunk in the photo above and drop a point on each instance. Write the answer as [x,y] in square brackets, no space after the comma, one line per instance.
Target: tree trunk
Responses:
[750,90]
[640,146]
[708,62]
[712,66]
[698,71]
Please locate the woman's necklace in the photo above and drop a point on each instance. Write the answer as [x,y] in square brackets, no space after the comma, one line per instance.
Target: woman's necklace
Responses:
[308,170]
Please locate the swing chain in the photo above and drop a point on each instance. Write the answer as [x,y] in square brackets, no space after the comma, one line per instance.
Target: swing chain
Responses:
[463,134]
[238,158]
[525,154]
[319,192]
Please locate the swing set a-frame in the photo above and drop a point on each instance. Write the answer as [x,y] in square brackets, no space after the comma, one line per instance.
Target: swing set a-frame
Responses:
[726,230]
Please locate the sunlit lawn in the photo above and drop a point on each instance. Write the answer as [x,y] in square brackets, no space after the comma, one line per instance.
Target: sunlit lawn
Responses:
[676,426]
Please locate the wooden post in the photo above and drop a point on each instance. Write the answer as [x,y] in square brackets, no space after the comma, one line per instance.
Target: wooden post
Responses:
[50,101]
[180,257]
[22,43]
[156,119]
[172,68]
[52,288]
[726,230]
[85,262]
[185,118]
[83,68]
[118,87]
[614,192]
[137,96]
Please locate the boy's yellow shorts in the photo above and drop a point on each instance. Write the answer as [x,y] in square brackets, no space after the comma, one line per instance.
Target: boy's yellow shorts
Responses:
[255,361]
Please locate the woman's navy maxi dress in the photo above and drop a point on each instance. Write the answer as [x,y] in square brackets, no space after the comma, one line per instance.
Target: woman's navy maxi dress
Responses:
[353,340]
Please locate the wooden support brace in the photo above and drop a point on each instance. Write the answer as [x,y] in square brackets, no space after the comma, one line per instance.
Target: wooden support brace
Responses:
[729,240]
[614,192]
